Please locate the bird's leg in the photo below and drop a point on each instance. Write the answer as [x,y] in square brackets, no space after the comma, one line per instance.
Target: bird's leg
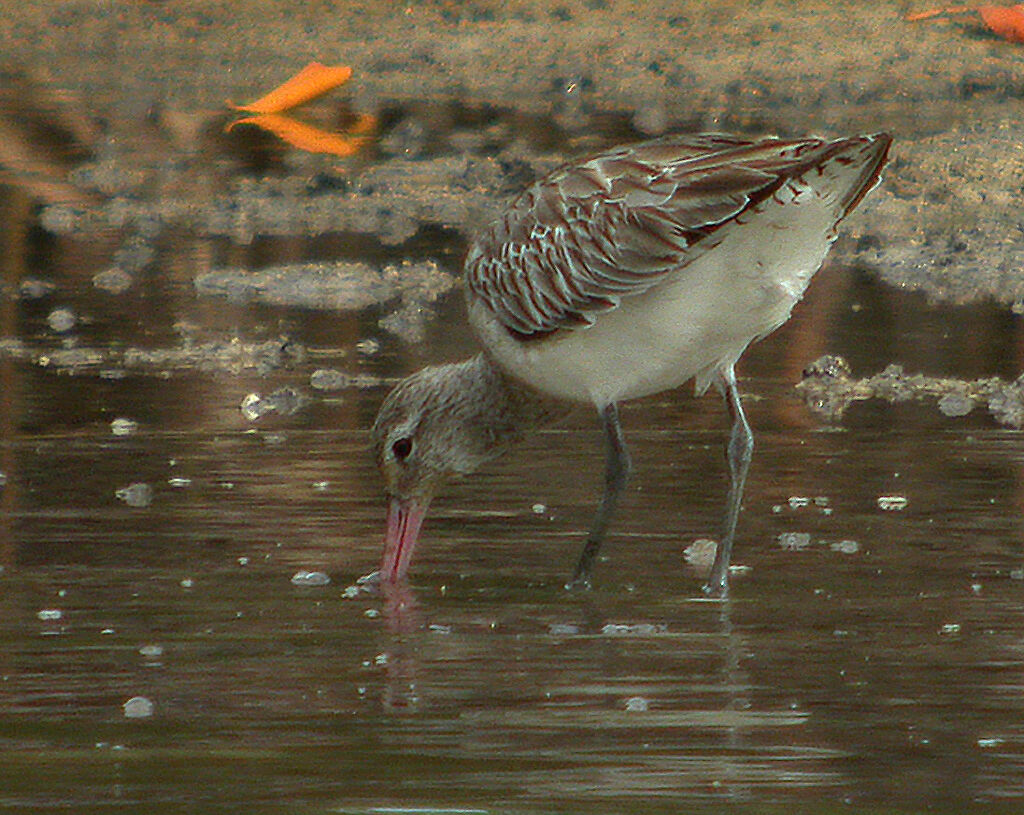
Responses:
[616,476]
[739,452]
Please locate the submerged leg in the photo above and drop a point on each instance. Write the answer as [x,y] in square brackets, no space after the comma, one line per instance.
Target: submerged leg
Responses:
[616,475]
[739,452]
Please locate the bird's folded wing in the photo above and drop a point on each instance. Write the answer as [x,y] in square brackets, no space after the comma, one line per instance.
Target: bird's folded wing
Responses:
[612,226]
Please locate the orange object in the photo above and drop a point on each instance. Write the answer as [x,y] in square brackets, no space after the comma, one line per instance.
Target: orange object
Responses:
[304,136]
[937,12]
[1003,21]
[1006,21]
[312,81]
[364,125]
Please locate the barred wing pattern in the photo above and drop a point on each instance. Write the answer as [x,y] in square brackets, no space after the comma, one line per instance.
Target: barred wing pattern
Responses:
[591,233]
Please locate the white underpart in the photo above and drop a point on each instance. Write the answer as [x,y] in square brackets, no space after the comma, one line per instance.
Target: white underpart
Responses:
[698,321]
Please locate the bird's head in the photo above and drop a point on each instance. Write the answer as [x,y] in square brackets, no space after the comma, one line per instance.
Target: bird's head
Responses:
[441,422]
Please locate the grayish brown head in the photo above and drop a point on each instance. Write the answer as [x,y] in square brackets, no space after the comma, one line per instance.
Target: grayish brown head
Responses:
[441,422]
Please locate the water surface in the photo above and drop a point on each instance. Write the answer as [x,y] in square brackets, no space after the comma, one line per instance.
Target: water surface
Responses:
[869,660]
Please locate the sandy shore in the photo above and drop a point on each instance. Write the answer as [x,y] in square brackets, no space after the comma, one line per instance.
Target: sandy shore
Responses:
[477,98]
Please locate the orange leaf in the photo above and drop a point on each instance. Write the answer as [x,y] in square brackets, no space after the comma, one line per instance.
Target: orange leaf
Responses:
[937,12]
[1006,21]
[312,81]
[305,137]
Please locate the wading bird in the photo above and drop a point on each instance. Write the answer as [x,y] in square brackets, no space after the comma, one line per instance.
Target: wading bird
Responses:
[618,276]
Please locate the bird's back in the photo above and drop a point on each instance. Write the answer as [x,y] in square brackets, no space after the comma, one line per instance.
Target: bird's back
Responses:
[639,268]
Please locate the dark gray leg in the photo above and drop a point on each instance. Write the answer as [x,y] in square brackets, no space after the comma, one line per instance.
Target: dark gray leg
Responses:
[616,476]
[739,452]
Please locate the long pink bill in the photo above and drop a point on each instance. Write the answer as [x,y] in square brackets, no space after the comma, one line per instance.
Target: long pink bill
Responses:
[404,521]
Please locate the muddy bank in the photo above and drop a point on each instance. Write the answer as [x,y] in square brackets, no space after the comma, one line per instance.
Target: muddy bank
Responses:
[477,99]
[829,389]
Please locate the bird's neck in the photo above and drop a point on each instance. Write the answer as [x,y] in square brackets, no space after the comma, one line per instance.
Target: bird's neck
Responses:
[510,409]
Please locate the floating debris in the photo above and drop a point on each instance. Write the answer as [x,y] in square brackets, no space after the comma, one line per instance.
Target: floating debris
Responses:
[113,281]
[70,358]
[49,614]
[233,356]
[636,704]
[138,707]
[829,388]
[32,288]
[138,494]
[794,541]
[955,404]
[285,401]
[306,578]
[634,629]
[892,503]
[330,379]
[337,286]
[367,584]
[123,427]
[408,323]
[368,347]
[846,547]
[61,320]
[419,285]
[700,555]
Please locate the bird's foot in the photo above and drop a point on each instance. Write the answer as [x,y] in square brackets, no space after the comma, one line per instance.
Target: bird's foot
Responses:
[716,589]
[580,582]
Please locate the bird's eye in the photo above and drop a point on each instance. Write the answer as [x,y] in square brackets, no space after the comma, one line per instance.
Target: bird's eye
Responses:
[401,449]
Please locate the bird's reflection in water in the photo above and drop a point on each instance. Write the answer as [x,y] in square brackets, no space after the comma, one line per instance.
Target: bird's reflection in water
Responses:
[403,619]
[401,609]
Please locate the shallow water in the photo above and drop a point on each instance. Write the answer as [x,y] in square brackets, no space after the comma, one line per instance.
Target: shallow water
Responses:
[870,658]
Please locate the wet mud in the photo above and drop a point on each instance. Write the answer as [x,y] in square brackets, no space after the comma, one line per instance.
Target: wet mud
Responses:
[829,389]
[476,99]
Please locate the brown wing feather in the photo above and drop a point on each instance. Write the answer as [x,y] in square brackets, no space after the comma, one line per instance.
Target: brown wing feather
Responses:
[611,226]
